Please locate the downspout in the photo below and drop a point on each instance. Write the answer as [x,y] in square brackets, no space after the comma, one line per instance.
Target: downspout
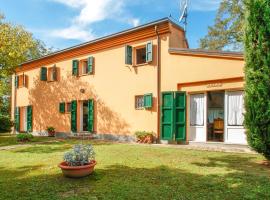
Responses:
[15,100]
[158,83]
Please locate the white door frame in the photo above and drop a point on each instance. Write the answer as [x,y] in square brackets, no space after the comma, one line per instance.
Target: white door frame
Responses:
[232,129]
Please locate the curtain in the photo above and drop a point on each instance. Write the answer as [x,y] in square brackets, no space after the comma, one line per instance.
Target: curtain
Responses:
[197,109]
[235,108]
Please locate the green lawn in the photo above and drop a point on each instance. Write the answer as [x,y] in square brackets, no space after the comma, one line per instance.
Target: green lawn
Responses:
[126,171]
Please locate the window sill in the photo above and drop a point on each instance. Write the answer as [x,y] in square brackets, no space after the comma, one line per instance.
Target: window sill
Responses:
[139,65]
[85,74]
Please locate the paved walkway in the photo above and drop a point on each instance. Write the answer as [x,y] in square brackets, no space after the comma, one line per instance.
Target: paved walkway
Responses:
[219,147]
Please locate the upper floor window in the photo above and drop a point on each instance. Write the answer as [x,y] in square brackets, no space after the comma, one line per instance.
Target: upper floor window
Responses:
[49,74]
[52,74]
[139,55]
[21,81]
[83,67]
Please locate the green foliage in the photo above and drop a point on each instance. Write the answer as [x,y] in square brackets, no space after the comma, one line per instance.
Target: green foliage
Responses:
[16,46]
[24,137]
[143,134]
[50,129]
[227,32]
[257,75]
[5,123]
[80,155]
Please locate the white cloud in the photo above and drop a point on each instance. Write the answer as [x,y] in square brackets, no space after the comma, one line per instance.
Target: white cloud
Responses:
[73,32]
[134,22]
[91,11]
[204,5]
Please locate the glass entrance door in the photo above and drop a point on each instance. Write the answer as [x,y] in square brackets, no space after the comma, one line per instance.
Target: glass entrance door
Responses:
[215,116]
[85,116]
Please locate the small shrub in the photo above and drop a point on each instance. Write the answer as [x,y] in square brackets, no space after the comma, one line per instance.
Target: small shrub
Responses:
[24,137]
[5,123]
[80,155]
[144,137]
[143,134]
[50,129]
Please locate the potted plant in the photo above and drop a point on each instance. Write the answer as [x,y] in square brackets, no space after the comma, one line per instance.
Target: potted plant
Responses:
[51,131]
[144,137]
[78,162]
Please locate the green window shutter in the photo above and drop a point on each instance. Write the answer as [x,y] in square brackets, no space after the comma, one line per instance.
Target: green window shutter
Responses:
[74,116]
[167,116]
[43,74]
[62,107]
[90,64]
[16,81]
[128,55]
[91,115]
[29,118]
[149,52]
[180,116]
[148,100]
[75,67]
[17,119]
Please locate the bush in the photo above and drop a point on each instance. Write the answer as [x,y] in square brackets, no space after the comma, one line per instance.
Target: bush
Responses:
[50,129]
[24,137]
[80,155]
[5,123]
[257,76]
[143,134]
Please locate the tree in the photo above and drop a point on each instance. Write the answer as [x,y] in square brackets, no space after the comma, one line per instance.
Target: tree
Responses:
[227,32]
[257,75]
[16,46]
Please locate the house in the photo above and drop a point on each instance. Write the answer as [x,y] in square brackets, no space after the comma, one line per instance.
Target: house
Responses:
[145,78]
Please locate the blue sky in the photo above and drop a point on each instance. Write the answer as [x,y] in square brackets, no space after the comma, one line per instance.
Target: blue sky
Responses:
[64,23]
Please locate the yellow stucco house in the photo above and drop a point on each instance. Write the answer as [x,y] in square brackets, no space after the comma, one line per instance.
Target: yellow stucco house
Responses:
[145,78]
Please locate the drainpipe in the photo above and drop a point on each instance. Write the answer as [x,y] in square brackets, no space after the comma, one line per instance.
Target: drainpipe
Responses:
[15,100]
[158,82]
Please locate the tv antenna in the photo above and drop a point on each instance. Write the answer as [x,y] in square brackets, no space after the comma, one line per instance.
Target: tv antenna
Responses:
[183,13]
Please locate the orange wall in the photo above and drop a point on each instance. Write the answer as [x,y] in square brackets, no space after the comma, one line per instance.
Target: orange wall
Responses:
[181,69]
[113,86]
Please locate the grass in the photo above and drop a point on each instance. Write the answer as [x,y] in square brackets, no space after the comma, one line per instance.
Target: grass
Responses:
[8,140]
[126,171]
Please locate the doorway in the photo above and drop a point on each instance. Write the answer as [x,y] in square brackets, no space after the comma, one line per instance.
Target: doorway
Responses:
[215,116]
[84,116]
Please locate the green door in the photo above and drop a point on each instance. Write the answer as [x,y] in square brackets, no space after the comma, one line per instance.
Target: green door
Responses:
[29,118]
[180,116]
[74,116]
[91,115]
[173,116]
[17,119]
[167,113]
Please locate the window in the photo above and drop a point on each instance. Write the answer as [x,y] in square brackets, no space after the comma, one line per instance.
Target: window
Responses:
[139,102]
[197,110]
[68,107]
[235,108]
[62,107]
[21,81]
[52,74]
[84,67]
[141,55]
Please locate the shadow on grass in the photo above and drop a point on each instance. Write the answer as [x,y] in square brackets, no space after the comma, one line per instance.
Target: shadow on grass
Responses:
[233,162]
[124,182]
